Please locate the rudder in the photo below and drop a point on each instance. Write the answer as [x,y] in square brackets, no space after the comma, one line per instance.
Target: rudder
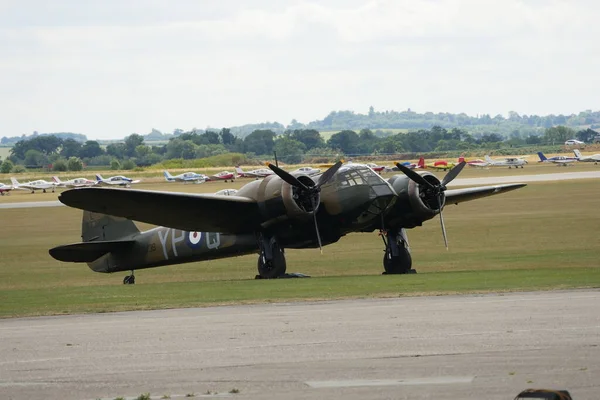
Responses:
[102,227]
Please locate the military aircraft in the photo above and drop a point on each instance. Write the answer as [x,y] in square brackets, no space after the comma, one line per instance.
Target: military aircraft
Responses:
[39,184]
[265,217]
[186,177]
[558,160]
[507,162]
[118,180]
[74,183]
[222,176]
[255,173]
[595,158]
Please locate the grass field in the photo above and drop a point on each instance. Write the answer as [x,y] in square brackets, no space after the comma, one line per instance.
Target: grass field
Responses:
[540,237]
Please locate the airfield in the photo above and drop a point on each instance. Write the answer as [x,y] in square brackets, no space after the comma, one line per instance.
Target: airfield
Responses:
[407,342]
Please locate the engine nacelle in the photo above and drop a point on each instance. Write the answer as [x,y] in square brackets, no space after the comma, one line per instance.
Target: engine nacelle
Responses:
[279,201]
[415,204]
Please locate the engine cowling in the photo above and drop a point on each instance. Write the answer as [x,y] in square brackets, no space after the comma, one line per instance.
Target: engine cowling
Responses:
[415,204]
[279,201]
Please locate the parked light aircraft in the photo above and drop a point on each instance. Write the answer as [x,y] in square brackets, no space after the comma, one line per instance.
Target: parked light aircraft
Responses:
[118,180]
[265,217]
[376,168]
[255,173]
[186,177]
[39,184]
[595,158]
[5,188]
[310,171]
[507,162]
[222,176]
[74,183]
[474,163]
[440,165]
[558,160]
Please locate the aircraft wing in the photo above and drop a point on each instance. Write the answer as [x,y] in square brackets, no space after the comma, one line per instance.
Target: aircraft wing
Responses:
[185,211]
[455,196]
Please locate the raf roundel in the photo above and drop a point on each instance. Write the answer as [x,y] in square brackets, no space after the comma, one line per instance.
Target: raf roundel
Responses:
[194,239]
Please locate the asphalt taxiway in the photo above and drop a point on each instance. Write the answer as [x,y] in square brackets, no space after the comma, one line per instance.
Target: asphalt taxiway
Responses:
[446,347]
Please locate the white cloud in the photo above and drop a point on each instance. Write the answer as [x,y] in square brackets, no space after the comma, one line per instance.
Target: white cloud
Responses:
[107,71]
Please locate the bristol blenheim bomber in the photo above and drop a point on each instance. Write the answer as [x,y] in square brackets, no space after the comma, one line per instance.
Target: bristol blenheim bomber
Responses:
[281,211]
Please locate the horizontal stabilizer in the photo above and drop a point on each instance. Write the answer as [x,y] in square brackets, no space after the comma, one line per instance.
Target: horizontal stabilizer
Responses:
[89,251]
[455,196]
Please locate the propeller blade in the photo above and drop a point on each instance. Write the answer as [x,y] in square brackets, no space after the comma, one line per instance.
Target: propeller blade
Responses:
[317,225]
[287,177]
[442,222]
[413,175]
[327,175]
[453,173]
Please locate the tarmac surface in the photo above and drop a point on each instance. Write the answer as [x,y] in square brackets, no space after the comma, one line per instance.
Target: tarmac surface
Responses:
[445,347]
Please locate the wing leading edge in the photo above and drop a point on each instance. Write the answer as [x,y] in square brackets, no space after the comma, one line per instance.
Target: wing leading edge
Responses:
[189,212]
[455,196]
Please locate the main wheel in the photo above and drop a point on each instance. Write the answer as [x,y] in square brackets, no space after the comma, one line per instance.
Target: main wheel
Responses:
[397,265]
[129,280]
[273,268]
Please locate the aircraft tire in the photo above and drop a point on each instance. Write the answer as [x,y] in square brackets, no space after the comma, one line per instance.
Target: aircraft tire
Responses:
[129,280]
[397,265]
[274,268]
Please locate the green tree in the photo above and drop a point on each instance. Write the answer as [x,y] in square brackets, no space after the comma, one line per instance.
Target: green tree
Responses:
[260,142]
[586,135]
[90,149]
[131,142]
[60,165]
[70,148]
[6,166]
[311,138]
[227,138]
[75,164]
[35,158]
[558,134]
[188,150]
[128,164]
[347,141]
[289,150]
[116,150]
[115,165]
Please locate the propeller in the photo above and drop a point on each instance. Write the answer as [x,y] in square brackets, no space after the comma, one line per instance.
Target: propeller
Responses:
[310,191]
[435,190]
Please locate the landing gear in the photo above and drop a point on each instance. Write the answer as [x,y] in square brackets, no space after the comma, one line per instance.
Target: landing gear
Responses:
[396,259]
[43,190]
[129,279]
[271,259]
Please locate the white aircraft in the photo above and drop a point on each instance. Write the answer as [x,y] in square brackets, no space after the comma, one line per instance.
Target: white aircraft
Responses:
[307,171]
[507,162]
[40,184]
[6,188]
[74,183]
[227,192]
[185,177]
[595,158]
[118,180]
[558,160]
[255,173]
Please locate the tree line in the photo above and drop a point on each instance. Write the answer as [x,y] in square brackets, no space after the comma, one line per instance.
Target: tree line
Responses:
[293,146]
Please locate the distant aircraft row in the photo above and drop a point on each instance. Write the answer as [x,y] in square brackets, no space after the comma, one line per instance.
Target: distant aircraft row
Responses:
[193,177]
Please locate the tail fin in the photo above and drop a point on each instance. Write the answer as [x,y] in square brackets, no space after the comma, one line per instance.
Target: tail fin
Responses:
[99,178]
[14,181]
[239,170]
[101,227]
[168,176]
[488,159]
[461,159]
[541,156]
[56,180]
[577,153]
[421,163]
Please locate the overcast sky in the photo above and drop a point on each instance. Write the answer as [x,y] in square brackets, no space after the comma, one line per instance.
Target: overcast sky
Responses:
[111,68]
